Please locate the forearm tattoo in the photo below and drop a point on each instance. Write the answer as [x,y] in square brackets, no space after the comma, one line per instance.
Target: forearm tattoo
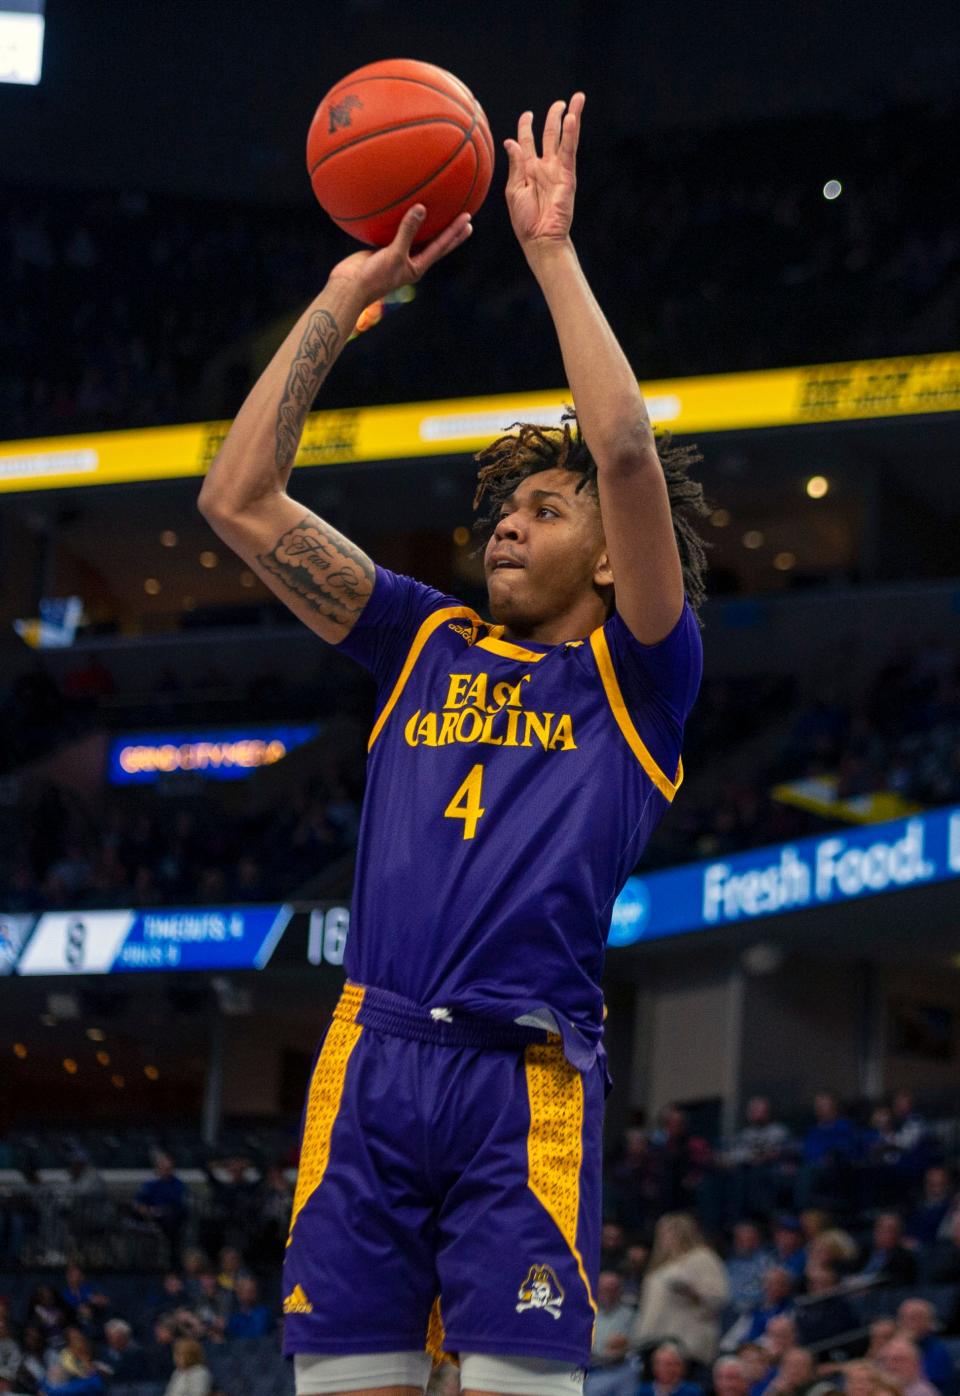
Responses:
[320,566]
[318,349]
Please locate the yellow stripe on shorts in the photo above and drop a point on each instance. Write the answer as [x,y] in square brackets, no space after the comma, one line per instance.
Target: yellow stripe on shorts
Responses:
[437,1338]
[326,1093]
[555,1141]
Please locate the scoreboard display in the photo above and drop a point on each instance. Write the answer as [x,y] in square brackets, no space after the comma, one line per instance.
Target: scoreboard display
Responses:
[21,41]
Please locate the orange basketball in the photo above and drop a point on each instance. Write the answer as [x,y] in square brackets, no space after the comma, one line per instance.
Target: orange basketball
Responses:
[393,134]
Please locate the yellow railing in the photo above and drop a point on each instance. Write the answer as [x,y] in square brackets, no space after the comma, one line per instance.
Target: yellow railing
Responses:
[780,397]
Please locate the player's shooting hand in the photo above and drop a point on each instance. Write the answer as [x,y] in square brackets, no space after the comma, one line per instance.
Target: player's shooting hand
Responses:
[379,272]
[541,188]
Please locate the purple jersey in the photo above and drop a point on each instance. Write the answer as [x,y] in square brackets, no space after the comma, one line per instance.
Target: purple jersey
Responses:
[511,790]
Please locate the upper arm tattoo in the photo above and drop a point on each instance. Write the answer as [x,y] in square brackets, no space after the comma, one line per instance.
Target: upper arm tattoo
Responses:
[319,565]
[318,349]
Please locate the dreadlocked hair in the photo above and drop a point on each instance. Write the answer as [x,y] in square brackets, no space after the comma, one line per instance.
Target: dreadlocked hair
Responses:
[527,449]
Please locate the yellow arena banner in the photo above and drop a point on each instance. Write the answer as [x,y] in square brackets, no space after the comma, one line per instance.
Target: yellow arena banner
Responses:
[843,392]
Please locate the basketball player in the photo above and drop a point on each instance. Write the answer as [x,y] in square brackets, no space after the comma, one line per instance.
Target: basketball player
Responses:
[449,1187]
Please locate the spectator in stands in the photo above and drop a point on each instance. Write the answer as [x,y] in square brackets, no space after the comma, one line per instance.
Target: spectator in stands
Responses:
[747,1266]
[901,1358]
[757,1155]
[75,1374]
[889,1261]
[76,1356]
[859,1379]
[610,1373]
[122,1358]
[684,1293]
[912,1135]
[612,1245]
[880,1176]
[47,1310]
[776,1299]
[669,1370]
[250,1318]
[927,1217]
[82,1179]
[630,1180]
[835,1247]
[788,1248]
[826,1314]
[272,1219]
[830,1147]
[169,1296]
[33,1360]
[780,1337]
[917,1320]
[679,1161]
[758,1367]
[633,1269]
[880,1332]
[192,1376]
[729,1377]
[11,1354]
[231,1267]
[232,1205]
[84,1298]
[212,1303]
[794,1376]
[944,1263]
[162,1201]
[158,1354]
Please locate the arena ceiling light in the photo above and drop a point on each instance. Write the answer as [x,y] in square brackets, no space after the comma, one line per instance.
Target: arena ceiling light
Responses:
[21,41]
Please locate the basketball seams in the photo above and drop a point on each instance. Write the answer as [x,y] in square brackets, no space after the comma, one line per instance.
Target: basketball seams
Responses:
[473,182]
[462,102]
[422,121]
[386,130]
[390,77]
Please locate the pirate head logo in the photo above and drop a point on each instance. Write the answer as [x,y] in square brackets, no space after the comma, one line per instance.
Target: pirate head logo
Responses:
[540,1290]
[341,113]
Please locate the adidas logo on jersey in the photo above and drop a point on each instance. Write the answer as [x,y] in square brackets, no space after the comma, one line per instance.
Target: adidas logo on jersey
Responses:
[540,1290]
[297,1302]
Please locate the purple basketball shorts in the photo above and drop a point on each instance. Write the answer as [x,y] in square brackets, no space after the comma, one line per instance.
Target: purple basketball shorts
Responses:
[448,1197]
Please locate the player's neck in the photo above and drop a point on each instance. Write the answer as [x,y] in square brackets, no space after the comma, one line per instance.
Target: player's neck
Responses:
[576,623]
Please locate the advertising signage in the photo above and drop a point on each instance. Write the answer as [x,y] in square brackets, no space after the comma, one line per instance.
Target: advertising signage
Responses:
[143,758]
[842,866]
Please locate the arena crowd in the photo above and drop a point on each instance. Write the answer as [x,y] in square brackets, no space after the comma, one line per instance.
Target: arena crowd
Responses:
[801,1259]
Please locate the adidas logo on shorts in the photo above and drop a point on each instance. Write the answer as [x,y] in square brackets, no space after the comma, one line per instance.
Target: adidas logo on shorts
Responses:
[297,1302]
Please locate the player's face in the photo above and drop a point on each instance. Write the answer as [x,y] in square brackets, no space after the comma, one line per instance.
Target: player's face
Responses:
[546,552]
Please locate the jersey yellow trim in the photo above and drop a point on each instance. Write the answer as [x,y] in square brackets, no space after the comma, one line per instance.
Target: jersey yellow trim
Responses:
[555,1142]
[611,686]
[498,646]
[432,623]
[325,1095]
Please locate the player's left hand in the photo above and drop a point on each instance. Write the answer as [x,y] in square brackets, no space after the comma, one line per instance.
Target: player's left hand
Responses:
[541,188]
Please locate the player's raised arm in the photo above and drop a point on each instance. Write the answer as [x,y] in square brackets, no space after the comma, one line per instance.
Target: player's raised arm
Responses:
[318,573]
[634,502]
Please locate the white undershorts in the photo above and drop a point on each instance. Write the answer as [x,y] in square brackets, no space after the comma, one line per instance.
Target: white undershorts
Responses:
[321,1374]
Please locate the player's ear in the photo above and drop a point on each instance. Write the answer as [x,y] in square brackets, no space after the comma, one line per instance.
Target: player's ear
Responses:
[603,572]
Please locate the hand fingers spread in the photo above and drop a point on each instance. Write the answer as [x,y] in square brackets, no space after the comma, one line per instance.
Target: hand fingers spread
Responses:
[515,157]
[551,128]
[570,137]
[525,136]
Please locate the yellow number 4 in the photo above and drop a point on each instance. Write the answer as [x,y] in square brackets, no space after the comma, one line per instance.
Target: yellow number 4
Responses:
[465,804]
